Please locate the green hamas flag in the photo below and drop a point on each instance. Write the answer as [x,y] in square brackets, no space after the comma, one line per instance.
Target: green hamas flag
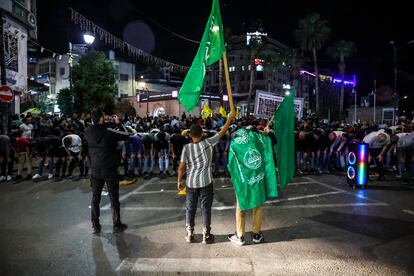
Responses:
[211,50]
[252,168]
[284,130]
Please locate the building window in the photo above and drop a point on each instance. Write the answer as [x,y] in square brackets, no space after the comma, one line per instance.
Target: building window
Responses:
[44,68]
[61,71]
[123,77]
[53,67]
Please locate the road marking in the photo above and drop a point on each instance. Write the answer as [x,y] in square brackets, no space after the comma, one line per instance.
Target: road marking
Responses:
[185,265]
[267,206]
[408,211]
[108,206]
[344,191]
[302,197]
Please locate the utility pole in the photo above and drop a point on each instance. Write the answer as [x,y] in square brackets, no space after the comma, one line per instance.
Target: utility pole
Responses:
[375,100]
[5,109]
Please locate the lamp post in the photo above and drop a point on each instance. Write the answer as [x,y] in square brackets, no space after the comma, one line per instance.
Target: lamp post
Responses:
[396,49]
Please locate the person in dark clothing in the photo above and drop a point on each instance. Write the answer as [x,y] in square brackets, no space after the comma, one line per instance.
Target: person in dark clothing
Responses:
[104,160]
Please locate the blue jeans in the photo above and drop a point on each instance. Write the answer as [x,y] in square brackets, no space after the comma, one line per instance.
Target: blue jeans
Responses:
[163,160]
[135,157]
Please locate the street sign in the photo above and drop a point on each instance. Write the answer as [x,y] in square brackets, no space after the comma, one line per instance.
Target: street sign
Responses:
[6,94]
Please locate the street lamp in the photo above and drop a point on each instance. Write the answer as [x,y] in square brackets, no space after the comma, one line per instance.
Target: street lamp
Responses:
[396,49]
[88,38]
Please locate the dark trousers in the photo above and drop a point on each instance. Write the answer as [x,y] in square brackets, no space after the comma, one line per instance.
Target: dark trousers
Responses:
[205,195]
[379,165]
[98,179]
[75,159]
[6,165]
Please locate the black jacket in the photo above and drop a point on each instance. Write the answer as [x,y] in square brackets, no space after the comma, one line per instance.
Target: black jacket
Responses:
[102,142]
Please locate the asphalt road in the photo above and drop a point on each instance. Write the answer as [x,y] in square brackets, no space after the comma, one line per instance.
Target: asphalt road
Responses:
[317,226]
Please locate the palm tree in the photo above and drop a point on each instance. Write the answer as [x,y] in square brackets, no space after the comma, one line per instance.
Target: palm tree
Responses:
[342,50]
[294,62]
[311,35]
[254,49]
[272,62]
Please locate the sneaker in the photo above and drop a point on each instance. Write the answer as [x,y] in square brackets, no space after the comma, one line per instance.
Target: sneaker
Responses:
[168,173]
[398,176]
[50,176]
[208,238]
[9,178]
[36,176]
[120,228]
[104,193]
[258,238]
[96,229]
[190,235]
[236,240]
[2,178]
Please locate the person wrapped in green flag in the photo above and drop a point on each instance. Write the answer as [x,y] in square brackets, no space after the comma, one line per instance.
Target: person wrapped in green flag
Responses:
[284,128]
[211,50]
[252,169]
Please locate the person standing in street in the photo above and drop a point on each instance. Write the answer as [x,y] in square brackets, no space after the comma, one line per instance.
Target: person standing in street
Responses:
[104,159]
[197,158]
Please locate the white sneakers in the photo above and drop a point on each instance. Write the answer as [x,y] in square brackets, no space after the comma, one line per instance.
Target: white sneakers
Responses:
[36,176]
[6,178]
[50,176]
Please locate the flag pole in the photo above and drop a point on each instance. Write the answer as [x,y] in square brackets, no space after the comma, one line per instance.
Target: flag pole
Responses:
[226,73]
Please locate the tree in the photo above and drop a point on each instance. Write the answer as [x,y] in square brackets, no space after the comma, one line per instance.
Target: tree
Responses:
[125,107]
[272,62]
[294,62]
[254,49]
[311,35]
[64,101]
[94,83]
[340,51]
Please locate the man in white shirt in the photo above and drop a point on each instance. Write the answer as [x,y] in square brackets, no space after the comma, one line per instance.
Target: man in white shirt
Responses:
[73,146]
[378,142]
[27,128]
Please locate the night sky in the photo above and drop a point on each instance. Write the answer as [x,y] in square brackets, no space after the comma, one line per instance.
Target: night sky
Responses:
[370,27]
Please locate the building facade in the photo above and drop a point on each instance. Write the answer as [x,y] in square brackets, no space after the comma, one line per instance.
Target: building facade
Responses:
[18,18]
[246,60]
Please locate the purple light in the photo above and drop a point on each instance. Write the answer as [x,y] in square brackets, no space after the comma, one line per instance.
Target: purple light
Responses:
[334,80]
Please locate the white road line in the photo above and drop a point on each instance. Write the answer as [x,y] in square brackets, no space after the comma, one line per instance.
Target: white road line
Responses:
[108,206]
[301,197]
[346,192]
[408,211]
[185,265]
[267,206]
[171,191]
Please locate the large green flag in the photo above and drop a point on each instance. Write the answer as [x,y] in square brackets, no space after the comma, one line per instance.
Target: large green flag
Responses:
[211,50]
[284,130]
[252,168]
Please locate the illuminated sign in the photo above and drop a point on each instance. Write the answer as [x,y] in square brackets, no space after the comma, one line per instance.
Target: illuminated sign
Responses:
[326,78]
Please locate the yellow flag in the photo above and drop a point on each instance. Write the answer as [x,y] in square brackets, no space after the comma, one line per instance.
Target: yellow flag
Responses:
[238,113]
[206,112]
[222,112]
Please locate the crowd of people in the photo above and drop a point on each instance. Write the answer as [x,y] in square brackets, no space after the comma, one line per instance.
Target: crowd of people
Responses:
[37,142]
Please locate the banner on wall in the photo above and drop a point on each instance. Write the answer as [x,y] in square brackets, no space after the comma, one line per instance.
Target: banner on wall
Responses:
[266,103]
